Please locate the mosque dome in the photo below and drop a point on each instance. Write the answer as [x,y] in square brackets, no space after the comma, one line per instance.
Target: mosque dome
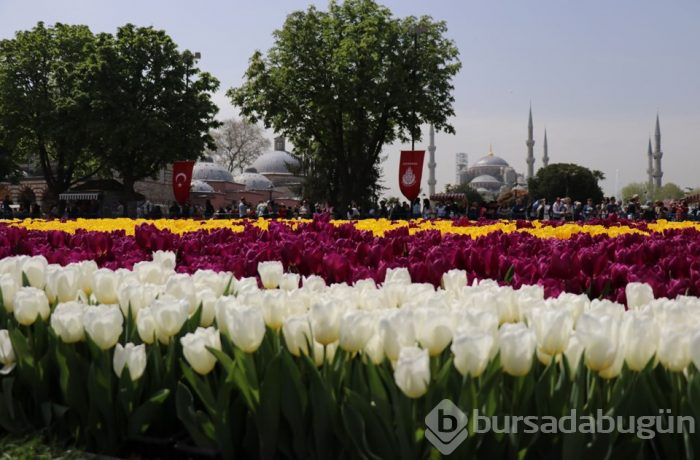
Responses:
[491,160]
[485,179]
[276,162]
[254,181]
[207,170]
[199,186]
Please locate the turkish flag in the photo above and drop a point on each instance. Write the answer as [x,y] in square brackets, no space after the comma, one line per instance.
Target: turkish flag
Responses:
[410,173]
[182,178]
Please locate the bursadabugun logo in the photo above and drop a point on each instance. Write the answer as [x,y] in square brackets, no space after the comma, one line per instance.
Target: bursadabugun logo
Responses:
[447,425]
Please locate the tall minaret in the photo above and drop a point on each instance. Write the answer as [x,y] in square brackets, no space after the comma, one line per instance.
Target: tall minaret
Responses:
[650,169]
[657,155]
[431,163]
[530,144]
[545,157]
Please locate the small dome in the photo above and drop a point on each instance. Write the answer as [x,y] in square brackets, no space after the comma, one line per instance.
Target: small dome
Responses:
[485,179]
[199,186]
[254,181]
[207,170]
[276,162]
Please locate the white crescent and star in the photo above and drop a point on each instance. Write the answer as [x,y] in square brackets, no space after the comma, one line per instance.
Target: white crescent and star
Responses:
[180,182]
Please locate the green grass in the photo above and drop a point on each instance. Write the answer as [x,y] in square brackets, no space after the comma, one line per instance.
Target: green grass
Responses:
[35,447]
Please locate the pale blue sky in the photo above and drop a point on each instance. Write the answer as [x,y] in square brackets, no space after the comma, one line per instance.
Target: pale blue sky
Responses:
[596,72]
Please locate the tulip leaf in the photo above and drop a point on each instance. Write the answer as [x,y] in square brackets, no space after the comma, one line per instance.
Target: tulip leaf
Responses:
[355,426]
[236,375]
[200,386]
[293,403]
[268,415]
[376,431]
[198,425]
[322,407]
[142,418]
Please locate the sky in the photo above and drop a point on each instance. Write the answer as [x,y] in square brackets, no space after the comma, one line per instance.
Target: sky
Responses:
[596,73]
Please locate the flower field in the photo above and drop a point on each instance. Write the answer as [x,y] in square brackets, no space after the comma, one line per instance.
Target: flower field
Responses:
[322,339]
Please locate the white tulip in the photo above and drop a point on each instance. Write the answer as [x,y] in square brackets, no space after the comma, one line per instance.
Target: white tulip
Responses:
[218,282]
[146,325]
[433,329]
[181,286]
[322,353]
[640,334]
[313,283]
[104,286]
[166,259]
[206,298]
[134,297]
[297,334]
[517,344]
[638,294]
[270,273]
[289,281]
[34,269]
[454,280]
[599,335]
[608,308]
[246,327]
[87,268]
[365,284]
[133,357]
[374,348]
[472,352]
[67,321]
[356,328]
[397,276]
[151,272]
[64,283]
[7,353]
[12,266]
[506,304]
[103,323]
[573,353]
[412,372]
[170,315]
[552,329]
[325,320]
[274,308]
[674,349]
[616,367]
[246,286]
[30,303]
[397,331]
[8,289]
[194,347]
[576,304]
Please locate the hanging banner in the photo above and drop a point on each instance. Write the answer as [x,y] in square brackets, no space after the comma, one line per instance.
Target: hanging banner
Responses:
[182,178]
[410,173]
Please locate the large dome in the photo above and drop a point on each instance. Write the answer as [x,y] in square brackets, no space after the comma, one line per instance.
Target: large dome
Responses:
[485,179]
[276,162]
[210,171]
[199,186]
[254,181]
[491,160]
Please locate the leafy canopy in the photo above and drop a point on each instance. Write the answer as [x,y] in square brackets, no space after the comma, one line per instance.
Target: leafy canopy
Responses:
[342,83]
[566,180]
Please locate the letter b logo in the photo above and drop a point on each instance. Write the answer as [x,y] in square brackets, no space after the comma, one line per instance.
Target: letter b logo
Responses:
[446,427]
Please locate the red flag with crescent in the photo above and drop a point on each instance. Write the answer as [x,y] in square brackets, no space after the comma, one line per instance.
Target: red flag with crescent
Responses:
[182,178]
[411,172]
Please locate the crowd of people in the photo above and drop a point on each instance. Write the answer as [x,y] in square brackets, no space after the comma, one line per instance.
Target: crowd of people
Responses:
[562,208]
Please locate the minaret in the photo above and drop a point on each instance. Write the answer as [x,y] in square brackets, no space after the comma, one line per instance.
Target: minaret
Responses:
[530,144]
[545,157]
[657,155]
[431,163]
[650,169]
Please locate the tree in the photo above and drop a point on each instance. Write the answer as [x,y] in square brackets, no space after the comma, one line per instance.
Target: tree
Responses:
[342,83]
[154,105]
[668,191]
[238,143]
[45,110]
[472,195]
[566,180]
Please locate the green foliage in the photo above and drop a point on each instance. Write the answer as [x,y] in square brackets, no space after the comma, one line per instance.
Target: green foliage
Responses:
[472,195]
[668,191]
[45,110]
[564,179]
[342,83]
[153,103]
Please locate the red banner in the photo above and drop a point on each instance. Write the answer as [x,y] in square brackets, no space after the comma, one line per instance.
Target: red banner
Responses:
[182,178]
[410,173]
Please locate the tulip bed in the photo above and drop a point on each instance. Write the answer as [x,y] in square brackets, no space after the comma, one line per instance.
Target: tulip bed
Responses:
[321,339]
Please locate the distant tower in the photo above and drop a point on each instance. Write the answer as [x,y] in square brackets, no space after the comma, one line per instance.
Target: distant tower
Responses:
[657,155]
[460,166]
[545,157]
[431,163]
[530,144]
[650,169]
